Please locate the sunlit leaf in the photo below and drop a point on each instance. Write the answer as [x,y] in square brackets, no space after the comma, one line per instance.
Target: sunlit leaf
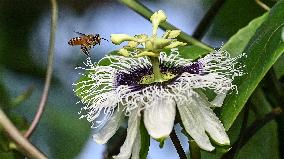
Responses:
[262,51]
[237,43]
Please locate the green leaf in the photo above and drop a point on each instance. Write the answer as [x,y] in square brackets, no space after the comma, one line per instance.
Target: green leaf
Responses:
[262,51]
[4,96]
[190,52]
[4,142]
[22,97]
[233,15]
[66,134]
[278,67]
[237,43]
[145,142]
[264,144]
[10,155]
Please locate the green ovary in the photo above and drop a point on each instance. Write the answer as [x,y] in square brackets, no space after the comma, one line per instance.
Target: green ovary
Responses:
[168,76]
[157,76]
[149,79]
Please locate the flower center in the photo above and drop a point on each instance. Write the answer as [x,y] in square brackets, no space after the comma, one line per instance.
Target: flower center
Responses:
[159,74]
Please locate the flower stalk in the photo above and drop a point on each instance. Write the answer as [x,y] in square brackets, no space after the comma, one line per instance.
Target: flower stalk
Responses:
[156,69]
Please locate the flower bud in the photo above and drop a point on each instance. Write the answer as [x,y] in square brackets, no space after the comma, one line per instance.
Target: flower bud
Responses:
[123,52]
[156,19]
[170,34]
[175,44]
[160,43]
[119,38]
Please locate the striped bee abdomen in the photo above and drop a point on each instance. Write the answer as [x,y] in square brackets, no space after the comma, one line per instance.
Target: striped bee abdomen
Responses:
[75,41]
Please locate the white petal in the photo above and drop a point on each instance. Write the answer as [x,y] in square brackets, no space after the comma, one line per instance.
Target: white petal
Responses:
[132,130]
[211,122]
[198,112]
[159,117]
[192,120]
[136,147]
[109,129]
[218,100]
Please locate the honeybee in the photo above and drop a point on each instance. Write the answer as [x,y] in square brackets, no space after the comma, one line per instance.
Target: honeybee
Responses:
[87,41]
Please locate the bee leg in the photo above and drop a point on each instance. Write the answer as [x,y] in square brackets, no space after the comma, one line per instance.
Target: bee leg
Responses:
[79,33]
[85,50]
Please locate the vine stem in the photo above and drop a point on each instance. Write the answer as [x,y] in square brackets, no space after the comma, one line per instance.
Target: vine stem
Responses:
[262,5]
[207,19]
[147,13]
[22,143]
[42,103]
[177,145]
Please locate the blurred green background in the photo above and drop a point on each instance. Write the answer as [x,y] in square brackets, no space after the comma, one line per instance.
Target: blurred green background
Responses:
[24,36]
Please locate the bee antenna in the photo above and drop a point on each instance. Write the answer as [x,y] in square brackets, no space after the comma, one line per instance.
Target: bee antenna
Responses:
[104,39]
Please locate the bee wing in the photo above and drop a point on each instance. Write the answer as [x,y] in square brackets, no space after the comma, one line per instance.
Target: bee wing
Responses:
[80,33]
[85,49]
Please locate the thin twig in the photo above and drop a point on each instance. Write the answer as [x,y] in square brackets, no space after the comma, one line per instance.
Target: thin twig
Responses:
[22,143]
[147,13]
[54,12]
[262,5]
[251,130]
[207,19]
[177,145]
